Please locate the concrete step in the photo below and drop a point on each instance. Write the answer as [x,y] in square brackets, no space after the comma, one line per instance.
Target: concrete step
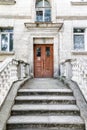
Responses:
[45,99]
[45,109]
[62,122]
[56,128]
[45,92]
[40,109]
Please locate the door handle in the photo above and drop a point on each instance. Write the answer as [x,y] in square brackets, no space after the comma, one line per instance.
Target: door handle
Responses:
[43,64]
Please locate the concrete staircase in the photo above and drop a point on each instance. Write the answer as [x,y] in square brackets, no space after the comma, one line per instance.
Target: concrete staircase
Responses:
[45,109]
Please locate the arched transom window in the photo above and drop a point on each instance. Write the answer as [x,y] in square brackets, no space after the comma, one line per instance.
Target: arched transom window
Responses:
[43,11]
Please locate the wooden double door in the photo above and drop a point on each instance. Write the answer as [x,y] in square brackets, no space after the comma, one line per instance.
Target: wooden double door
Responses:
[43,60]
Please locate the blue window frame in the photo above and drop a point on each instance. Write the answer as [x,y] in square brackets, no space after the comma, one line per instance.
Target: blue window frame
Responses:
[43,11]
[79,38]
[6,39]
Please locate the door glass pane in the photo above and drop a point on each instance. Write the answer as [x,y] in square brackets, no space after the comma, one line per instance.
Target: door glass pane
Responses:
[11,42]
[78,41]
[47,51]
[38,51]
[47,15]
[4,42]
[39,16]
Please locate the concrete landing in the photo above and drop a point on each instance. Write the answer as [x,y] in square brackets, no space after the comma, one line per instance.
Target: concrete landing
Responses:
[44,83]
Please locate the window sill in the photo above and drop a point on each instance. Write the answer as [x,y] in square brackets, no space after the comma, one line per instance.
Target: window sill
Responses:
[42,22]
[7,53]
[78,3]
[9,2]
[79,52]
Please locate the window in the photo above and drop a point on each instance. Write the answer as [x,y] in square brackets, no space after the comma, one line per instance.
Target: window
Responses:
[47,51]
[6,39]
[38,51]
[43,11]
[79,38]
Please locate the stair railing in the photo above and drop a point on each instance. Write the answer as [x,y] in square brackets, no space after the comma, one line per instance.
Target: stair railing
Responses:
[11,70]
[76,70]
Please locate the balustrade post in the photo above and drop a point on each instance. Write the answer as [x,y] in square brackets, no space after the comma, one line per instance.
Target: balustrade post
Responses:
[21,67]
[14,75]
[19,70]
[85,81]
[68,69]
[61,70]
[22,70]
[27,70]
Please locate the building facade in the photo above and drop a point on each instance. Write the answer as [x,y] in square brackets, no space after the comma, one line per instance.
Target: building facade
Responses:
[43,33]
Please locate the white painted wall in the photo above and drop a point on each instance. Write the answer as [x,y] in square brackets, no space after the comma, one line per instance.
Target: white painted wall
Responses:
[21,7]
[24,11]
[65,8]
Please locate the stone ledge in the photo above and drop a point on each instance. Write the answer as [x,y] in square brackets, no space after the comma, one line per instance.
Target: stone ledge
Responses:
[72,17]
[43,25]
[79,3]
[15,16]
[7,53]
[7,2]
[79,52]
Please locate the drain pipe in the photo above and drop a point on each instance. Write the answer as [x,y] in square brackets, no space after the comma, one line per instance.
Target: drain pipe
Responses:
[59,54]
[59,48]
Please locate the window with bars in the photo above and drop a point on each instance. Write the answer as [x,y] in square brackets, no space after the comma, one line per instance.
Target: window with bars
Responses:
[79,38]
[6,39]
[43,11]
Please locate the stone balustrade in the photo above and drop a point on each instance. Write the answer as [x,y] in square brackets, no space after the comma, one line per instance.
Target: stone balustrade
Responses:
[77,71]
[11,70]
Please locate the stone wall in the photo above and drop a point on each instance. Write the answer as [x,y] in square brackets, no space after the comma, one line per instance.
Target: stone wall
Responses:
[22,11]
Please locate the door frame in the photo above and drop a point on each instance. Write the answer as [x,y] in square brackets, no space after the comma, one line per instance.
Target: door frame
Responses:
[52,58]
[56,42]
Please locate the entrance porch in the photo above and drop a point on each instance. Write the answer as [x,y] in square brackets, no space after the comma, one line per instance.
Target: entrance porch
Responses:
[44,33]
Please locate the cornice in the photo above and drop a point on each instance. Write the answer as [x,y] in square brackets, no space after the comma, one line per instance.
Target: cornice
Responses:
[15,16]
[7,2]
[79,52]
[44,25]
[79,3]
[72,17]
